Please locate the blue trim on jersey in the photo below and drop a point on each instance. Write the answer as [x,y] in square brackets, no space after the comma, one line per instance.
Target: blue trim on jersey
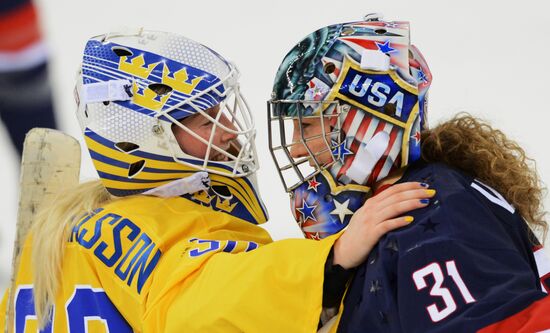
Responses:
[251,246]
[230,246]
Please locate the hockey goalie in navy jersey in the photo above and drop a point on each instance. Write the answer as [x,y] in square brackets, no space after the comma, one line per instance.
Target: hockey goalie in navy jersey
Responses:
[348,121]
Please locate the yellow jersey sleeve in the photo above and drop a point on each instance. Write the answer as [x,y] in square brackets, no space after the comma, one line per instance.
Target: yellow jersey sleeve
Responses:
[274,288]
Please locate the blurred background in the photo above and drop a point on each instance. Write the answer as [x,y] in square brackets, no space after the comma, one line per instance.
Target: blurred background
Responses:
[488,58]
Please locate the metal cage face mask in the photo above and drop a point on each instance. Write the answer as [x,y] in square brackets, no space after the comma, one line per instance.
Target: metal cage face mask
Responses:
[377,84]
[228,133]
[303,142]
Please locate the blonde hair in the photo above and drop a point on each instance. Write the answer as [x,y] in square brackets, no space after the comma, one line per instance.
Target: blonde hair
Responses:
[50,232]
[473,146]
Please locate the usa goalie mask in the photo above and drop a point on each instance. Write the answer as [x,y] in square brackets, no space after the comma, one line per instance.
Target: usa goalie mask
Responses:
[163,115]
[347,108]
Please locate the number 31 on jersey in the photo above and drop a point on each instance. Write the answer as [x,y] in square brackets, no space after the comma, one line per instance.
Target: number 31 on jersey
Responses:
[437,290]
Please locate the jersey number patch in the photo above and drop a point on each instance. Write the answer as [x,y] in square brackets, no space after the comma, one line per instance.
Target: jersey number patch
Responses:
[437,290]
[87,310]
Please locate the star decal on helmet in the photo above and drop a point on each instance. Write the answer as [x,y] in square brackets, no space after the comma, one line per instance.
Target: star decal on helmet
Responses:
[313,184]
[341,209]
[416,137]
[317,90]
[385,47]
[307,211]
[340,151]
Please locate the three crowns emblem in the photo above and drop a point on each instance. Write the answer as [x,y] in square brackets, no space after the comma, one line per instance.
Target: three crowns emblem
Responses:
[225,204]
[222,204]
[203,197]
[144,96]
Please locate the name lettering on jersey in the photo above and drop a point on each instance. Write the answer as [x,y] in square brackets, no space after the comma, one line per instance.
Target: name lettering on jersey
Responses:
[384,94]
[118,243]
[198,247]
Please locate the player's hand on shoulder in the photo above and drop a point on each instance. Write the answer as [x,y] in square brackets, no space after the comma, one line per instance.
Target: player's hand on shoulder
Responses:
[380,214]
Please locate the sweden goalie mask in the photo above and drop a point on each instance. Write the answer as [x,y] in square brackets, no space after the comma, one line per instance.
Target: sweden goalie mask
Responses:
[163,115]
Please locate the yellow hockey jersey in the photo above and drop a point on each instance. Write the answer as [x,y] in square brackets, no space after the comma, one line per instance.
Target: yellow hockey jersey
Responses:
[149,264]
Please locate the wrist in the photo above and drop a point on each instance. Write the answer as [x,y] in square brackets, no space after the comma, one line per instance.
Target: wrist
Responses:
[336,279]
[342,253]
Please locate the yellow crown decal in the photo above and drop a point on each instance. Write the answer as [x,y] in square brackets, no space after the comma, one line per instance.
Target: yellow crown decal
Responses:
[225,205]
[179,82]
[203,197]
[148,99]
[136,66]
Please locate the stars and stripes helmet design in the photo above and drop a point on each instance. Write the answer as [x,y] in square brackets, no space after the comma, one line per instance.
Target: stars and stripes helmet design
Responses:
[133,90]
[367,86]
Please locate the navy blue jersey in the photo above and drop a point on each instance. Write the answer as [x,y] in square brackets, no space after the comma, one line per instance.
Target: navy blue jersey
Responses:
[465,263]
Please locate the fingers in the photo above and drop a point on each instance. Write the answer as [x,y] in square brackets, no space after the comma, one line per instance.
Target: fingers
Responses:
[399,208]
[392,224]
[403,194]
[378,216]
[394,189]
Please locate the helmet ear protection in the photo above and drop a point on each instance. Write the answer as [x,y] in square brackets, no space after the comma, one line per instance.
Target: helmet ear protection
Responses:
[368,87]
[136,90]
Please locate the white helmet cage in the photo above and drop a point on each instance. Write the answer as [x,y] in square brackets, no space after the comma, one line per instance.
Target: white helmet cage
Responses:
[134,87]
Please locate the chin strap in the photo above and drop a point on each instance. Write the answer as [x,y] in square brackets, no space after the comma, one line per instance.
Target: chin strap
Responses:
[198,181]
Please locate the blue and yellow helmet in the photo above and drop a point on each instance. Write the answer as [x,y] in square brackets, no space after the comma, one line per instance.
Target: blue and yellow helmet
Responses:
[135,88]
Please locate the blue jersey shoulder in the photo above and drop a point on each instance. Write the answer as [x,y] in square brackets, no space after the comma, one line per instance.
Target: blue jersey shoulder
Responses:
[465,254]
[464,209]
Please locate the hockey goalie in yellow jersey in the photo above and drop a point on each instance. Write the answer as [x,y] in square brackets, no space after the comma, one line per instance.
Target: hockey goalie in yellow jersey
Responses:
[167,240]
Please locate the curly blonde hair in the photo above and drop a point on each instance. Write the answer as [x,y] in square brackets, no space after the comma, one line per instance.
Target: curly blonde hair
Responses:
[473,146]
